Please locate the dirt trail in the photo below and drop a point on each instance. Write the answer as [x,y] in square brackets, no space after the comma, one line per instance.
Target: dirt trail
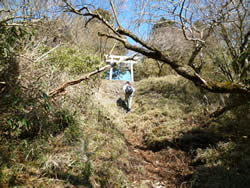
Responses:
[147,169]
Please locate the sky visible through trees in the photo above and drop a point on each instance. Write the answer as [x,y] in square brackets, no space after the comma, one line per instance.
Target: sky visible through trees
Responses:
[128,13]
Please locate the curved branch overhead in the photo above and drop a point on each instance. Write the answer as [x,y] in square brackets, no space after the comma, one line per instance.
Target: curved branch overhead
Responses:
[62,88]
[199,39]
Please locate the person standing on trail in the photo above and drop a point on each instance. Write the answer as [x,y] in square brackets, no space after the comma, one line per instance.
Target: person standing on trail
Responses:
[129,91]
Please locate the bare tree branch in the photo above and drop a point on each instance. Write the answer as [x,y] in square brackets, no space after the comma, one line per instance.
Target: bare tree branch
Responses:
[92,15]
[13,18]
[62,88]
[226,108]
[188,71]
[115,13]
[184,28]
[4,10]
[44,55]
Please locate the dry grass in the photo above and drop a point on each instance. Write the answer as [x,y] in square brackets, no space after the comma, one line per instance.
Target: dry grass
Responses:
[135,164]
[42,135]
[168,113]
[162,105]
[91,141]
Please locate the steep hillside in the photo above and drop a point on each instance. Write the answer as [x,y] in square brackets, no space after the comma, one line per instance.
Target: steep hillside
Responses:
[164,141]
[63,125]
[136,163]
[84,137]
[143,167]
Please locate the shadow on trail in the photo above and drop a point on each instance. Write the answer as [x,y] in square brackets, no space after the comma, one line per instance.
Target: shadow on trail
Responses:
[220,154]
[190,141]
[219,151]
[81,181]
[218,177]
[121,103]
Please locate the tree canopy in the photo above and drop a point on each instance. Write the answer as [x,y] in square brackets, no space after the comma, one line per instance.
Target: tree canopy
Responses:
[225,21]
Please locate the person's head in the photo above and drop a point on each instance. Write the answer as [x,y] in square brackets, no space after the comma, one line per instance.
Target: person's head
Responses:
[128,82]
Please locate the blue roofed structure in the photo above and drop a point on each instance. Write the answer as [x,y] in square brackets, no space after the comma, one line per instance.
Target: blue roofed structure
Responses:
[122,68]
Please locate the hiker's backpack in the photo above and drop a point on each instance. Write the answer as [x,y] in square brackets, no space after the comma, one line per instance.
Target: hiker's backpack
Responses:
[129,90]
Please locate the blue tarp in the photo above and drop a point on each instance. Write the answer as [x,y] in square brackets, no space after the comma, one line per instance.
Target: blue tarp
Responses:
[119,75]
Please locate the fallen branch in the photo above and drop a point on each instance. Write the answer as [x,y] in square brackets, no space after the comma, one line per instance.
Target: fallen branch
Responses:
[87,76]
[74,82]
[214,115]
[229,107]
[2,86]
[44,55]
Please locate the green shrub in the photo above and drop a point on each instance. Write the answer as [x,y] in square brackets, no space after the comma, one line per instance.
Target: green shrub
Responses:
[150,68]
[73,60]
[12,39]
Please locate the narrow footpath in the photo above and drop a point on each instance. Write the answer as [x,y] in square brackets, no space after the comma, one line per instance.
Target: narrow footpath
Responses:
[147,168]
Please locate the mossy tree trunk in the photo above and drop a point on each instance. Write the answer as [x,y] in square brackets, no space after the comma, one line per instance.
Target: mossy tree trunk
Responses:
[188,71]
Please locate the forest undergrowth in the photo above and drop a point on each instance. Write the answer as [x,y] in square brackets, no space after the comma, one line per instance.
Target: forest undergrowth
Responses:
[84,137]
[62,124]
[169,142]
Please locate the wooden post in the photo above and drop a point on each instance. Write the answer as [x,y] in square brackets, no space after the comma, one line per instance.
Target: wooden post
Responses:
[132,72]
[110,73]
[111,70]
[110,59]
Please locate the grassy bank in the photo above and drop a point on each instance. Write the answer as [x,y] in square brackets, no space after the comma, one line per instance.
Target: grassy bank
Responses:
[170,113]
[84,137]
